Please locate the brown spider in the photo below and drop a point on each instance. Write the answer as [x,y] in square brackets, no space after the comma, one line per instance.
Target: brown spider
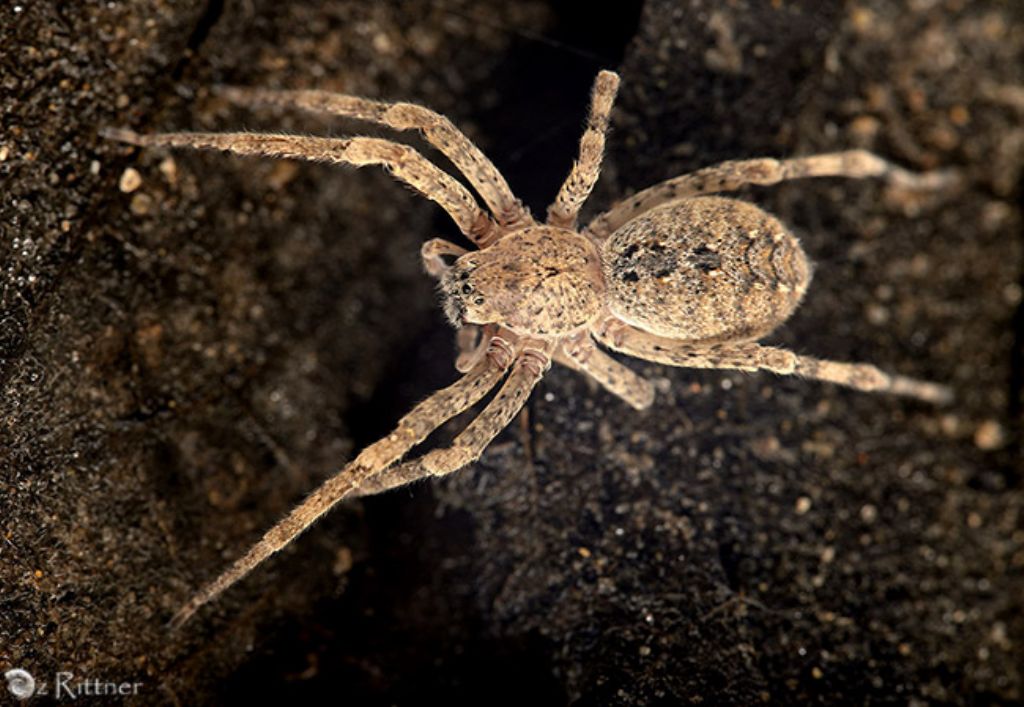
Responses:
[668,275]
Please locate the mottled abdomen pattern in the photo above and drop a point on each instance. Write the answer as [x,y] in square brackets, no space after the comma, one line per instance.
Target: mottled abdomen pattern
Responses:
[705,268]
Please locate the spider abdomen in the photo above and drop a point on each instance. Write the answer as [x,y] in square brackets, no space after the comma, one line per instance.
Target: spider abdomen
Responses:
[704,268]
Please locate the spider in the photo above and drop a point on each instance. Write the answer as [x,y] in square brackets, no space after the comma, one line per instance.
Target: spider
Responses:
[672,274]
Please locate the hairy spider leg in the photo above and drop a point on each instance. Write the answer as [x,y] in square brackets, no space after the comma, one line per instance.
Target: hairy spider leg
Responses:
[467,447]
[580,353]
[411,430]
[748,356]
[729,176]
[585,171]
[402,161]
[438,130]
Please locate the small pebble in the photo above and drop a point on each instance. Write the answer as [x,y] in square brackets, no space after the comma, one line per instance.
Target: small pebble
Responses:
[989,435]
[1013,294]
[130,180]
[877,314]
[169,168]
[343,561]
[141,204]
[949,424]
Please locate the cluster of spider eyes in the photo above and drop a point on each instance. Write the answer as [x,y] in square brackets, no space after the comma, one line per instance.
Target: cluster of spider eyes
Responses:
[467,287]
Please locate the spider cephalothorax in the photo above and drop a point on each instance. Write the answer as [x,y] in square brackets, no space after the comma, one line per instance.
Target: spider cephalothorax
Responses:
[669,275]
[541,281]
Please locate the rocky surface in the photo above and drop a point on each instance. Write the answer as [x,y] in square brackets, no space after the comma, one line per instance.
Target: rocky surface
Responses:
[189,343]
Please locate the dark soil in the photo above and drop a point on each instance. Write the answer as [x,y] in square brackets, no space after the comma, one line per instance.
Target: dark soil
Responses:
[183,361]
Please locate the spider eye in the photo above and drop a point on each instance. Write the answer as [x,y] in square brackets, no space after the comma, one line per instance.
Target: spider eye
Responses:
[464,275]
[478,300]
[467,288]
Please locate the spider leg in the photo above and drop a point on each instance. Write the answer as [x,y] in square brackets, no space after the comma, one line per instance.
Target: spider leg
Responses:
[412,429]
[587,168]
[438,130]
[405,163]
[729,176]
[472,341]
[753,357]
[581,354]
[433,253]
[470,444]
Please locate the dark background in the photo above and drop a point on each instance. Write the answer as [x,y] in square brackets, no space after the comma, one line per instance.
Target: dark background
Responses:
[180,364]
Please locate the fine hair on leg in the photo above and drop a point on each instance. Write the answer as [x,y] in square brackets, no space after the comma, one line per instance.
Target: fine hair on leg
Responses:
[402,161]
[411,430]
[582,354]
[585,171]
[467,447]
[729,176]
[438,130]
[754,357]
